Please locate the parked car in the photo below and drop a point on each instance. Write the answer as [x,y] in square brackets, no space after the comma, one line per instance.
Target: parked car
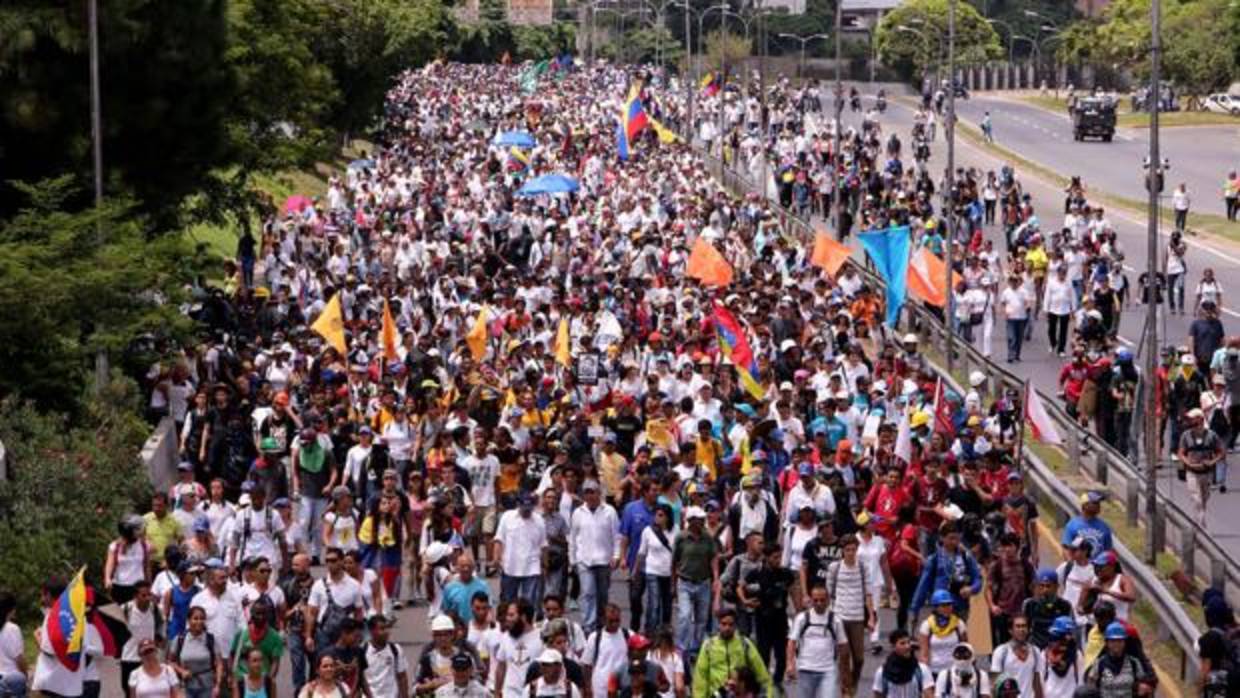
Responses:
[1223,103]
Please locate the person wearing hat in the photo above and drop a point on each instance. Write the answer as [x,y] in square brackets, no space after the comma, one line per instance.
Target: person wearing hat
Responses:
[435,664]
[1187,386]
[1112,585]
[1200,451]
[962,679]
[464,683]
[1116,672]
[695,571]
[940,633]
[1088,525]
[594,551]
[518,544]
[1044,606]
[551,680]
[315,475]
[753,509]
[1009,582]
[808,493]
[340,522]
[951,568]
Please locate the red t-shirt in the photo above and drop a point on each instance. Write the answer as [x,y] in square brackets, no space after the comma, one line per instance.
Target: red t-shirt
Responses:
[929,495]
[886,502]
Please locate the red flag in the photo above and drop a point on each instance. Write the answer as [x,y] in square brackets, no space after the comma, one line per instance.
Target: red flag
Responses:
[943,411]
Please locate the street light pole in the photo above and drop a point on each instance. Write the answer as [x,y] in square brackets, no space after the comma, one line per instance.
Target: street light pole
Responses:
[838,196]
[96,117]
[950,188]
[1154,534]
[689,77]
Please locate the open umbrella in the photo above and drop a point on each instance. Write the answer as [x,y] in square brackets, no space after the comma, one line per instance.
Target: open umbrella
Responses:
[297,203]
[549,184]
[362,164]
[520,139]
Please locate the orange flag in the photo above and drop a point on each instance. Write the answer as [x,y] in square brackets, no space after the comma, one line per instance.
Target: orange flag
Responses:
[389,334]
[828,254]
[926,280]
[707,265]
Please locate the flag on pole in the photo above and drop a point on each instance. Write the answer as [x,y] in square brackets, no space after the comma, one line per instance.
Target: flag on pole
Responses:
[707,265]
[927,276]
[563,348]
[889,249]
[476,338]
[65,623]
[904,439]
[710,84]
[330,325]
[1039,421]
[734,345]
[633,120]
[390,336]
[828,254]
[943,410]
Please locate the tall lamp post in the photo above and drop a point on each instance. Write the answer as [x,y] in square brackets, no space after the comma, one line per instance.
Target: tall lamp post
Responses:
[838,198]
[949,191]
[803,40]
[1153,539]
[1011,35]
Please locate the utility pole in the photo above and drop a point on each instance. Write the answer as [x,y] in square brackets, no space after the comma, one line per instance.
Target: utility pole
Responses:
[690,88]
[102,368]
[838,197]
[949,190]
[762,97]
[1154,175]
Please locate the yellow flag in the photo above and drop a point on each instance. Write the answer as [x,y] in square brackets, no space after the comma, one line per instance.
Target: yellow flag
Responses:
[563,351]
[389,334]
[477,337]
[330,325]
[666,135]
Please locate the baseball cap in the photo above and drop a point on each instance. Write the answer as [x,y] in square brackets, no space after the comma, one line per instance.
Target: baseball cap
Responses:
[694,513]
[637,641]
[442,624]
[1106,557]
[1116,631]
[550,656]
[1047,575]
[590,486]
[1092,497]
[461,661]
[185,466]
[941,597]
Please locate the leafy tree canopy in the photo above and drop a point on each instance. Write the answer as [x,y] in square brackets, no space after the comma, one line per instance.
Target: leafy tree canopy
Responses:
[922,42]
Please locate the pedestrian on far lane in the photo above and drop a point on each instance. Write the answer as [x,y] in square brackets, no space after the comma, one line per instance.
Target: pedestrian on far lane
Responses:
[1175,270]
[1180,201]
[1231,195]
[988,128]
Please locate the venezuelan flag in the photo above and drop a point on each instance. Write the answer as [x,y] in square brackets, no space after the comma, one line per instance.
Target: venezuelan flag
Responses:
[733,344]
[633,119]
[710,84]
[65,623]
[518,160]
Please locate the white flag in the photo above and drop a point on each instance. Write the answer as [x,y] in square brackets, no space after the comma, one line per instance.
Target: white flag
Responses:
[1039,421]
[904,440]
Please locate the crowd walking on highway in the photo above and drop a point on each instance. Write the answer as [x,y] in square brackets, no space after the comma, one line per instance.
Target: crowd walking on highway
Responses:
[535,390]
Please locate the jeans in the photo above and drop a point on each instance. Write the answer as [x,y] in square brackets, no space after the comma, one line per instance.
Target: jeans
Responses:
[247,274]
[297,660]
[818,684]
[556,582]
[1057,331]
[1175,292]
[595,583]
[692,613]
[637,594]
[527,588]
[204,692]
[14,685]
[658,603]
[1220,472]
[1181,219]
[310,519]
[1015,337]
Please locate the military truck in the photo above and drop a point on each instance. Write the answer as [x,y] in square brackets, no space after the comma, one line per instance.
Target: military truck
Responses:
[1092,116]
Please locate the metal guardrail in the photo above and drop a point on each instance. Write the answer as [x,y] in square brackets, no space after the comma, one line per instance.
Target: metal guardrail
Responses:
[1109,467]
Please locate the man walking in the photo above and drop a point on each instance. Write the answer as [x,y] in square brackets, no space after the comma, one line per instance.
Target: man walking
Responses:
[695,569]
[818,649]
[518,544]
[1016,303]
[594,549]
[1200,449]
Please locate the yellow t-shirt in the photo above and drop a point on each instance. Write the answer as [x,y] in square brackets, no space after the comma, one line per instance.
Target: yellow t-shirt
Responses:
[160,533]
[611,471]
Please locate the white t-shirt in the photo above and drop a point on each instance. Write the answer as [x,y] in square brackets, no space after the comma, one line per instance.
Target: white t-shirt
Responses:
[11,647]
[1015,302]
[482,475]
[941,646]
[141,625]
[143,685]
[163,582]
[383,666]
[223,616]
[517,655]
[344,530]
[253,537]
[130,566]
[1080,577]
[819,637]
[907,690]
[523,540]
[486,643]
[346,592]
[658,556]
[871,554]
[605,655]
[1005,661]
[51,675]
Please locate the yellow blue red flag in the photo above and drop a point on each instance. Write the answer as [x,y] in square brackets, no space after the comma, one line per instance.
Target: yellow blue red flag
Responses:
[733,344]
[65,623]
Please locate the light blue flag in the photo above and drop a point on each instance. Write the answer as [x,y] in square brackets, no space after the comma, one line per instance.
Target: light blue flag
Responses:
[890,251]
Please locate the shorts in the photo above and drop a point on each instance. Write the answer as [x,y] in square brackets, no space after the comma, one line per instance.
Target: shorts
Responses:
[484,522]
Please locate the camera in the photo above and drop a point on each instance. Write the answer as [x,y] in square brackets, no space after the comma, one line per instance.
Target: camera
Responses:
[965,676]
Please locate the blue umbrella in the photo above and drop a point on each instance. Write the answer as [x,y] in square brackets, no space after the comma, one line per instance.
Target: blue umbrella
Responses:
[520,139]
[549,184]
[362,164]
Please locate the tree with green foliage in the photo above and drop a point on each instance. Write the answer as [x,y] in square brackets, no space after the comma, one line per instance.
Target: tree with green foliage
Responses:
[921,44]
[74,281]
[531,43]
[68,483]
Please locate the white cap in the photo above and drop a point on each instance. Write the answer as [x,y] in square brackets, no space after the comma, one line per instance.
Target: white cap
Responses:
[879,386]
[910,338]
[787,344]
[695,513]
[786,385]
[977,378]
[550,656]
[442,624]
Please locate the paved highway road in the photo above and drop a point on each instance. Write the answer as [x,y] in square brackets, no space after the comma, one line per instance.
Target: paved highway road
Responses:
[1042,367]
[1200,156]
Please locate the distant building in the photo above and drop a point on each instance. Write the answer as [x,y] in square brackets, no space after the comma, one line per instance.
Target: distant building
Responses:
[519,12]
[864,15]
[792,7]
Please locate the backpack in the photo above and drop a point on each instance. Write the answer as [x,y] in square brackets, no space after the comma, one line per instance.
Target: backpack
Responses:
[174,654]
[830,625]
[333,617]
[245,529]
[833,575]
[1131,661]
[598,639]
[951,682]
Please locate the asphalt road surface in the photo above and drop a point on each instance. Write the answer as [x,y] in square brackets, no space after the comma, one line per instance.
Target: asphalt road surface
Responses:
[1041,366]
[1200,156]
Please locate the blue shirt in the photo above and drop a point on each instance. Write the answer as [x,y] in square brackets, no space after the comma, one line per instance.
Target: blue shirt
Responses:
[458,597]
[1094,530]
[636,517]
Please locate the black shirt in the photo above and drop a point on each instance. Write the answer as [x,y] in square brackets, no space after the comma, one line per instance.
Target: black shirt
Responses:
[817,557]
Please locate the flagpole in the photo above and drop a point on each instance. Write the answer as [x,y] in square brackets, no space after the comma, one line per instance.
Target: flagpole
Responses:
[1020,431]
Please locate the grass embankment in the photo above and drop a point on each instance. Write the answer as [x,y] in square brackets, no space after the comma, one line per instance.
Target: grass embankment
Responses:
[1198,223]
[1165,653]
[1129,119]
[221,240]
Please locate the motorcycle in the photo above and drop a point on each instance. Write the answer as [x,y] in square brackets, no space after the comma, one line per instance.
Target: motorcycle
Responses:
[881,101]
